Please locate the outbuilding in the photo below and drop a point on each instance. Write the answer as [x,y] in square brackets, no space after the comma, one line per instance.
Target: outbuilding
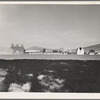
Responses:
[80,51]
[92,52]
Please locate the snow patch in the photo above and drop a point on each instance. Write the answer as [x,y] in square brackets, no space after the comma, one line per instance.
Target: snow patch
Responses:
[40,77]
[19,88]
[26,87]
[3,72]
[2,79]
[29,75]
[50,83]
[15,88]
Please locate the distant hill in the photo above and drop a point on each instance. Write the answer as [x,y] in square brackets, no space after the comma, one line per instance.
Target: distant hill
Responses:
[94,47]
[37,48]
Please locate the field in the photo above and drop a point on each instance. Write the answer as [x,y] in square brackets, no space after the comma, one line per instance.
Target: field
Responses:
[51,57]
[50,76]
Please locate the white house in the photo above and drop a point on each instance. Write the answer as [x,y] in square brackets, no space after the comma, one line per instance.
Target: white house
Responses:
[80,51]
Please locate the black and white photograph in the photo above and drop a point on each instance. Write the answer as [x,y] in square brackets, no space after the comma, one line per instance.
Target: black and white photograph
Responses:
[49,48]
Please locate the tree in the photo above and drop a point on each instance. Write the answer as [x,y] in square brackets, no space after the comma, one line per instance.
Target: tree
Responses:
[44,50]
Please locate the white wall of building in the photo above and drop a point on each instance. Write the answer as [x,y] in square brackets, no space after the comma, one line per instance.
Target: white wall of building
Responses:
[32,51]
[80,51]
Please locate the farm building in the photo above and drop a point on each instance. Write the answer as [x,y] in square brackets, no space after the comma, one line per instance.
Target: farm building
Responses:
[31,51]
[18,49]
[91,52]
[6,51]
[37,49]
[80,51]
[61,50]
[48,51]
[97,52]
[34,49]
[71,51]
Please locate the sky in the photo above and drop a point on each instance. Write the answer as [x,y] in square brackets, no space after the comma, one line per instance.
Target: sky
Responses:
[49,26]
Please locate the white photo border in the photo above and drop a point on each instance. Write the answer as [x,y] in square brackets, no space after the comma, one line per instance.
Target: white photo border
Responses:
[18,95]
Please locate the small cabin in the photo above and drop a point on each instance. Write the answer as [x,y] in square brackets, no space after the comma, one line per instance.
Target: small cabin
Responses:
[92,52]
[80,51]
